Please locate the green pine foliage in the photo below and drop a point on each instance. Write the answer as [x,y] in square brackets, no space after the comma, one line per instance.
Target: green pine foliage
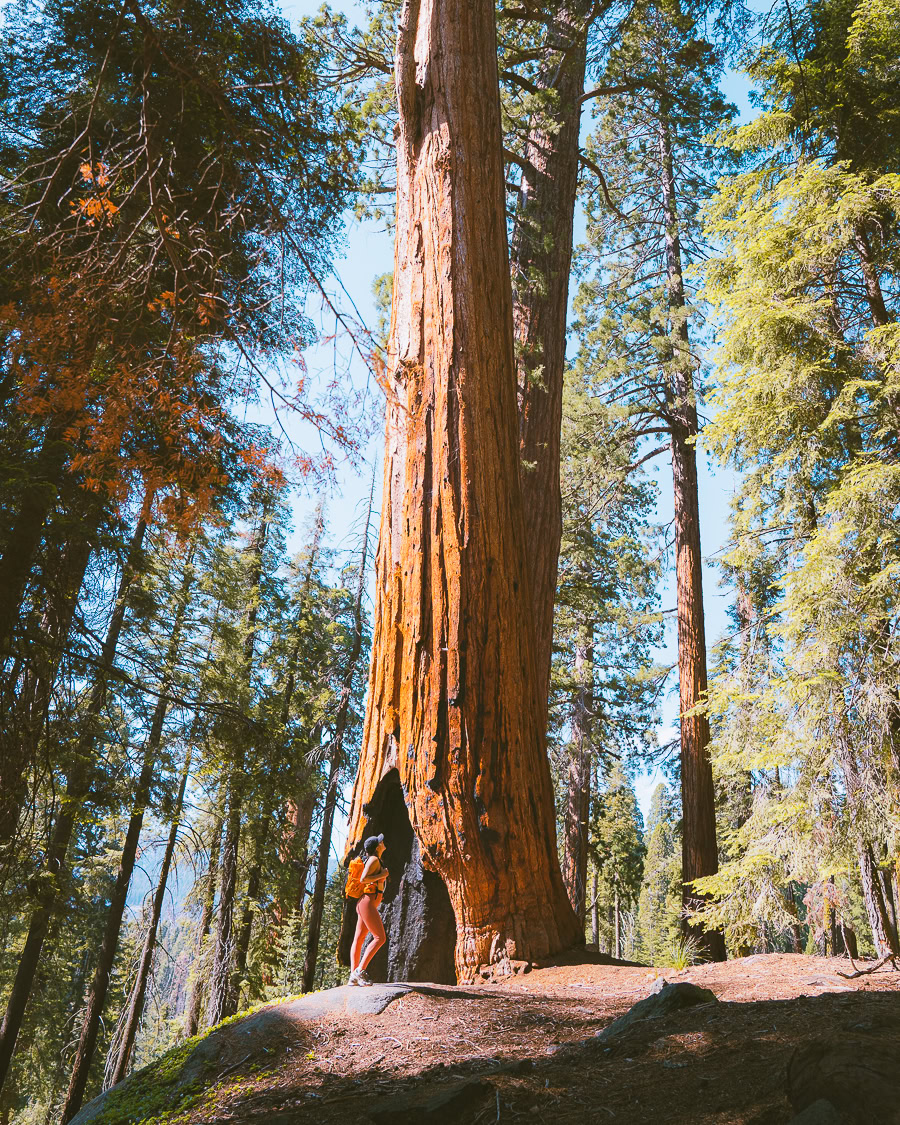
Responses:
[659,900]
[804,289]
[618,852]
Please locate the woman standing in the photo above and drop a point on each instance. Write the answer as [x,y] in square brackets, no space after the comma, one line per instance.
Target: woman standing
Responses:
[374,876]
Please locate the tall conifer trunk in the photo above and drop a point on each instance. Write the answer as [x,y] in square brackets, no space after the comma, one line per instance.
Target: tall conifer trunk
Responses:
[25,701]
[245,930]
[47,890]
[222,1001]
[25,537]
[317,905]
[301,805]
[195,1003]
[96,1000]
[578,793]
[699,853]
[454,693]
[139,991]
[541,260]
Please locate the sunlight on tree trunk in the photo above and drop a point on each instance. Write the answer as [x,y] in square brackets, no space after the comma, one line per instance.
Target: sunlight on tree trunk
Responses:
[453,698]
[698,841]
[541,261]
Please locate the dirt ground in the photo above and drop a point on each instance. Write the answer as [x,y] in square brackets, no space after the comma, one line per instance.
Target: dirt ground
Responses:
[722,1063]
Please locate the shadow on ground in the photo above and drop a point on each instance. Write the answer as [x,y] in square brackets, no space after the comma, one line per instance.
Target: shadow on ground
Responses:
[717,1062]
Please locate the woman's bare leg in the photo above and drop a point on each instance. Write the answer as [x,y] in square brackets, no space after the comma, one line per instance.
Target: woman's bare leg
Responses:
[359,940]
[371,920]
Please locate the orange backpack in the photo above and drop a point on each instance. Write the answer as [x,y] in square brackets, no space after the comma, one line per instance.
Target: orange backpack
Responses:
[354,887]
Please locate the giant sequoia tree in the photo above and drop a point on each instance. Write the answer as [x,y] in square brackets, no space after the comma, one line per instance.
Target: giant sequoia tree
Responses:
[453,702]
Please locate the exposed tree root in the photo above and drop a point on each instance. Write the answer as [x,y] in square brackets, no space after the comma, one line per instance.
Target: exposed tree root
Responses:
[892,957]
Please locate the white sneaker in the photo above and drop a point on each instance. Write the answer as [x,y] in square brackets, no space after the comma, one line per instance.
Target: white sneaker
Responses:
[354,977]
[362,979]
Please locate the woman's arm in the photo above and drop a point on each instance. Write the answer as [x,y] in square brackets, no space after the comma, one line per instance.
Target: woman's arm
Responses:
[374,872]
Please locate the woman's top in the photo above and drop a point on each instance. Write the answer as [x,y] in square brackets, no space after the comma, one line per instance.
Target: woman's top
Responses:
[374,884]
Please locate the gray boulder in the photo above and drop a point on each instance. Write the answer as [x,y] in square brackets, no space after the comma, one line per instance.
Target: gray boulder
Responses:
[663,999]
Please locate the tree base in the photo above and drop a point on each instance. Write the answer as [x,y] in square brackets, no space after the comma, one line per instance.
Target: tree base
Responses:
[418,917]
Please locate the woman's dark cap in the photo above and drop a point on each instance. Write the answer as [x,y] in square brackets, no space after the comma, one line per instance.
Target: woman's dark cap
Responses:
[371,844]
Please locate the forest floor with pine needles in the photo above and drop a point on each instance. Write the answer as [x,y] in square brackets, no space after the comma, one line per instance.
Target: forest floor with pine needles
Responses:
[524,1050]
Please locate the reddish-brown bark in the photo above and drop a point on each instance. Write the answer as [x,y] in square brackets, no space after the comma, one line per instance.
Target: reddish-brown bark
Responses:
[541,260]
[453,693]
[699,853]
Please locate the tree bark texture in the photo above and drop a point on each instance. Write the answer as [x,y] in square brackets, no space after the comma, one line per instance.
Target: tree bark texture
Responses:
[139,991]
[699,852]
[883,936]
[578,792]
[453,694]
[874,293]
[300,818]
[77,789]
[541,260]
[219,1004]
[595,912]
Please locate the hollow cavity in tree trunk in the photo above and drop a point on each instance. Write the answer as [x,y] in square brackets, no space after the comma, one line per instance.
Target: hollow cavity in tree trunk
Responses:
[418,916]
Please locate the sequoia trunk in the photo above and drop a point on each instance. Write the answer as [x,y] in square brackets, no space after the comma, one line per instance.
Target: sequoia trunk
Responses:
[699,853]
[454,695]
[541,260]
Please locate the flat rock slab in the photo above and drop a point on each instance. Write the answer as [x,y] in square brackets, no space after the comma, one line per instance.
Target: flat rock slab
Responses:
[663,999]
[369,1001]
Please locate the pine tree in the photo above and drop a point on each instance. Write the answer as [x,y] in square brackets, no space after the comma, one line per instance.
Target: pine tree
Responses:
[636,321]
[618,849]
[659,902]
[805,290]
